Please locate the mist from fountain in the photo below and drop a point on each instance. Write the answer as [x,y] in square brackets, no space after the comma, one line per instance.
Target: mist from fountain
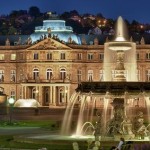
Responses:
[65,129]
[80,121]
[147,99]
[106,103]
[120,49]
[110,54]
[90,125]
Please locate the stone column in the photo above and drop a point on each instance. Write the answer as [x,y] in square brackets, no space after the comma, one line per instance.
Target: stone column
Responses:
[22,94]
[50,96]
[54,95]
[25,92]
[68,94]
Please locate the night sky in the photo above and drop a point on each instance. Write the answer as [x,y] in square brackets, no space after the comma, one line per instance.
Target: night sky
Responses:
[129,9]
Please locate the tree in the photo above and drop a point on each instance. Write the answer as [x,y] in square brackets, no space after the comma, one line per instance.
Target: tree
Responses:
[65,15]
[34,11]
[12,30]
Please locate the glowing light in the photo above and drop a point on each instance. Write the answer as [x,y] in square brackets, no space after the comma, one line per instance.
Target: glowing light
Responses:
[120,38]
[26,103]
[11,100]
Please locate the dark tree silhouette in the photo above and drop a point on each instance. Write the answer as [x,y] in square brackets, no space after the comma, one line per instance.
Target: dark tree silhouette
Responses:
[34,11]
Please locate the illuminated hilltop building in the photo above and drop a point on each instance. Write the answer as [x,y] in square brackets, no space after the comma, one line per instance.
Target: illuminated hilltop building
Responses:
[49,65]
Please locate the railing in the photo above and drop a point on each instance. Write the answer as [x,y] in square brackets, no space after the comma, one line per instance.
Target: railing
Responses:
[53,28]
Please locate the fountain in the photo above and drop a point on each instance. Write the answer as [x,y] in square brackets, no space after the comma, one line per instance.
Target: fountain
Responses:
[119,88]
[118,93]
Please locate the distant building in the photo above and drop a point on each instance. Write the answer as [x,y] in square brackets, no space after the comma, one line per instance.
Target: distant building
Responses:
[49,70]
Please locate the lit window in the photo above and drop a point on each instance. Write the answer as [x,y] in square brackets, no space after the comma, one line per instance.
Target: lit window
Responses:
[49,74]
[79,56]
[36,56]
[79,75]
[62,56]
[147,55]
[90,56]
[62,74]
[49,56]
[13,57]
[1,75]
[90,75]
[35,73]
[148,75]
[1,56]
[13,75]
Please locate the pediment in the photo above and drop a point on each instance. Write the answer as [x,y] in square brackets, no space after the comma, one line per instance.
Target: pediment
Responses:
[48,44]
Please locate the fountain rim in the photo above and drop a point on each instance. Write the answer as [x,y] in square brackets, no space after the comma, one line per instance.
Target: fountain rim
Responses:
[118,45]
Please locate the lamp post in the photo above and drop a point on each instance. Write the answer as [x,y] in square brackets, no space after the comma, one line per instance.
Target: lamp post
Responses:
[11,102]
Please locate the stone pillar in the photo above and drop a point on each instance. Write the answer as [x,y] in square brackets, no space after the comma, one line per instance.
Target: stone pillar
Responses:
[54,95]
[25,92]
[22,94]
[68,94]
[50,96]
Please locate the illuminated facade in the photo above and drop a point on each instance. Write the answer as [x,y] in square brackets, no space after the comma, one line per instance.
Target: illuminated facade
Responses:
[49,70]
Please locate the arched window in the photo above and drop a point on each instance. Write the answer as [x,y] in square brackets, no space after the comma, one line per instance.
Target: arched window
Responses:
[49,74]
[46,95]
[90,75]
[35,73]
[62,73]
[61,95]
[34,93]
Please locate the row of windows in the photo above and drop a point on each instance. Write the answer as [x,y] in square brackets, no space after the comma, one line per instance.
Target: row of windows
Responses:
[12,57]
[12,75]
[49,74]
[90,74]
[49,56]
[63,74]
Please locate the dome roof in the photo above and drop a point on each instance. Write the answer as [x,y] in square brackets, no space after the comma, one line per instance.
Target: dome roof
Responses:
[57,28]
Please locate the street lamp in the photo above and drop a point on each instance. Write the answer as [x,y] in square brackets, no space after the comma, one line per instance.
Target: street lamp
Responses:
[11,102]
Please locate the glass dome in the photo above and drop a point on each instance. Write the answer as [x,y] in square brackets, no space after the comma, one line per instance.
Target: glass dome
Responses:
[58,28]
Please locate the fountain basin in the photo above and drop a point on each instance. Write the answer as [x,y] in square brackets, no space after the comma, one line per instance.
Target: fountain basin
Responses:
[116,45]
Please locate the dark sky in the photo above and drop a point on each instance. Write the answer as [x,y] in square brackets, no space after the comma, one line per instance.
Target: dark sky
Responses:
[129,9]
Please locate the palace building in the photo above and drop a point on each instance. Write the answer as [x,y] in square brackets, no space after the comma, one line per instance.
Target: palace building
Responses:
[49,64]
